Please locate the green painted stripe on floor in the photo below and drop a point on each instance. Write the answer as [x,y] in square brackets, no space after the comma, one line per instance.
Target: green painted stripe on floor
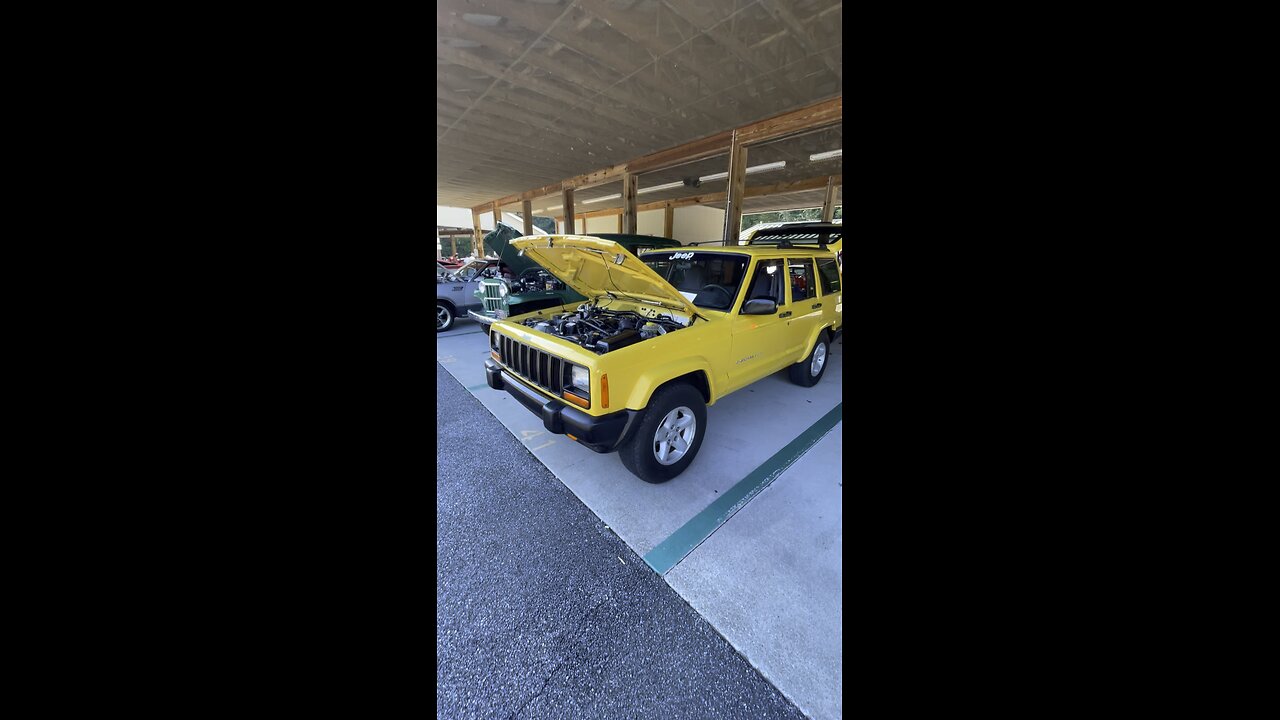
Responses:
[671,551]
[474,388]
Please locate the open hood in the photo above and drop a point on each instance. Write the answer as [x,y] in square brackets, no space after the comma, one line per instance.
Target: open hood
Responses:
[594,267]
[498,242]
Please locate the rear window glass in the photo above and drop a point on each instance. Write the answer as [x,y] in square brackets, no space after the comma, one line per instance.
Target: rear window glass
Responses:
[830,275]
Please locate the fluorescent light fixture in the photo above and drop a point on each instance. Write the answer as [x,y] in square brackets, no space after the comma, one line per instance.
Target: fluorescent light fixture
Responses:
[825,155]
[602,199]
[656,188]
[771,166]
[751,170]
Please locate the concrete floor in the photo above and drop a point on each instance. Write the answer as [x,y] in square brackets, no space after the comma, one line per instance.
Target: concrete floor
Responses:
[542,612]
[769,578]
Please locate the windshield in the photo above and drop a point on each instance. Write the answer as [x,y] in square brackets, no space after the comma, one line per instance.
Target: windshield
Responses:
[708,280]
[468,272]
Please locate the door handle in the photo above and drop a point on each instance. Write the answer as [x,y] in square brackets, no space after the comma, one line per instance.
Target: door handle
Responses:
[785,314]
[817,305]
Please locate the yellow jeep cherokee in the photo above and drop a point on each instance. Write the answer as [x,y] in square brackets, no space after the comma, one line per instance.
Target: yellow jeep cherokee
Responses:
[633,369]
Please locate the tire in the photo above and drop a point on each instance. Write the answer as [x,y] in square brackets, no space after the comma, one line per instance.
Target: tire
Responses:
[804,373]
[671,404]
[444,316]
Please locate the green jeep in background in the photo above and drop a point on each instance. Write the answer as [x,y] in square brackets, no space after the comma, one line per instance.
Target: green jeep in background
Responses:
[529,287]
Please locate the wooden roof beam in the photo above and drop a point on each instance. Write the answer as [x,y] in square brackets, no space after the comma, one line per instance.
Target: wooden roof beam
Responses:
[782,188]
[811,117]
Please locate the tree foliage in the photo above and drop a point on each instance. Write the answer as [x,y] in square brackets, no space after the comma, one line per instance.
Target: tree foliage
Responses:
[786,216]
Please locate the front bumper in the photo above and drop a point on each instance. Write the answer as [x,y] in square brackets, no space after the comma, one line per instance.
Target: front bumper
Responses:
[602,433]
[481,317]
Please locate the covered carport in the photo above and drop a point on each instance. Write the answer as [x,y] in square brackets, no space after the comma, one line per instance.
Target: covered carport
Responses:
[672,118]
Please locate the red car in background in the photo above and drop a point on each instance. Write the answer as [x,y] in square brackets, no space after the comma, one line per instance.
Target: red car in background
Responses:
[452,263]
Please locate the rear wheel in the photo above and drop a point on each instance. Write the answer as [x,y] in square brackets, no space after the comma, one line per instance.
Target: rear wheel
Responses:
[808,372]
[669,436]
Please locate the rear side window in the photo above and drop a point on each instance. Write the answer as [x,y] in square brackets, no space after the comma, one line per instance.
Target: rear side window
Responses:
[802,287]
[830,274]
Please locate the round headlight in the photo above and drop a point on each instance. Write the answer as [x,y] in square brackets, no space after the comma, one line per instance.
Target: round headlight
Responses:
[502,289]
[579,378]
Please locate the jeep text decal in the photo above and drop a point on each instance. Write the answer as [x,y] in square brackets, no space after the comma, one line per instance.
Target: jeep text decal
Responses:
[682,256]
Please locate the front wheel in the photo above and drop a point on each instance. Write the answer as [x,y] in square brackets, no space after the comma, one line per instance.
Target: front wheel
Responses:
[669,436]
[444,317]
[808,372]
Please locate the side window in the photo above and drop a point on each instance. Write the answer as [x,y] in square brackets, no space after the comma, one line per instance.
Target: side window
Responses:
[802,287]
[830,275]
[767,284]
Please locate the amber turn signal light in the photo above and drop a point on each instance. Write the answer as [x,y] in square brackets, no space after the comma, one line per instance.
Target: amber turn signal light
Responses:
[604,390]
[575,399]
[494,354]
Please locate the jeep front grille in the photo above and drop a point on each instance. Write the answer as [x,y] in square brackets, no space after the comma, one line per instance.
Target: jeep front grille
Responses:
[492,298]
[542,369]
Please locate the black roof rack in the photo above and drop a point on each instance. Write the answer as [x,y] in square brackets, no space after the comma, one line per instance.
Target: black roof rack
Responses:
[785,236]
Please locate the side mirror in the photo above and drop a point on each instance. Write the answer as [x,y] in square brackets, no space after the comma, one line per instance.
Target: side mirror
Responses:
[760,307]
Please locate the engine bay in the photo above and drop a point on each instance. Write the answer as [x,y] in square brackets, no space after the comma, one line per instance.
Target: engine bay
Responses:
[600,330]
[533,280]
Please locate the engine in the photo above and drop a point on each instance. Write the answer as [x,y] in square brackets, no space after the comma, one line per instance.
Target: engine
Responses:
[603,331]
[534,280]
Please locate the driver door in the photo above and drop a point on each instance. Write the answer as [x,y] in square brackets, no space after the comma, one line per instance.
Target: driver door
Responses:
[759,343]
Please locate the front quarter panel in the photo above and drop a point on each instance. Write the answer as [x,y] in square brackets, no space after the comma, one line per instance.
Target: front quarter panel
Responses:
[637,371]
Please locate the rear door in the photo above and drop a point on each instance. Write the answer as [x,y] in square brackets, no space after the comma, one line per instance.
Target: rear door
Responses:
[807,306]
[832,295]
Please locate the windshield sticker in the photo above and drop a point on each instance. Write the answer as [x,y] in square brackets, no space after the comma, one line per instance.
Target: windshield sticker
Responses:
[682,256]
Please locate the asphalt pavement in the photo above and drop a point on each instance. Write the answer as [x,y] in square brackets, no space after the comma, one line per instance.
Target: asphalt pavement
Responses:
[542,612]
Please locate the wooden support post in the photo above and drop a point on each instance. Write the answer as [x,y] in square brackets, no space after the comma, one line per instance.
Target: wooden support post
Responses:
[829,202]
[568,211]
[737,187]
[630,186]
[620,224]
[479,233]
[668,220]
[526,208]
[497,215]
